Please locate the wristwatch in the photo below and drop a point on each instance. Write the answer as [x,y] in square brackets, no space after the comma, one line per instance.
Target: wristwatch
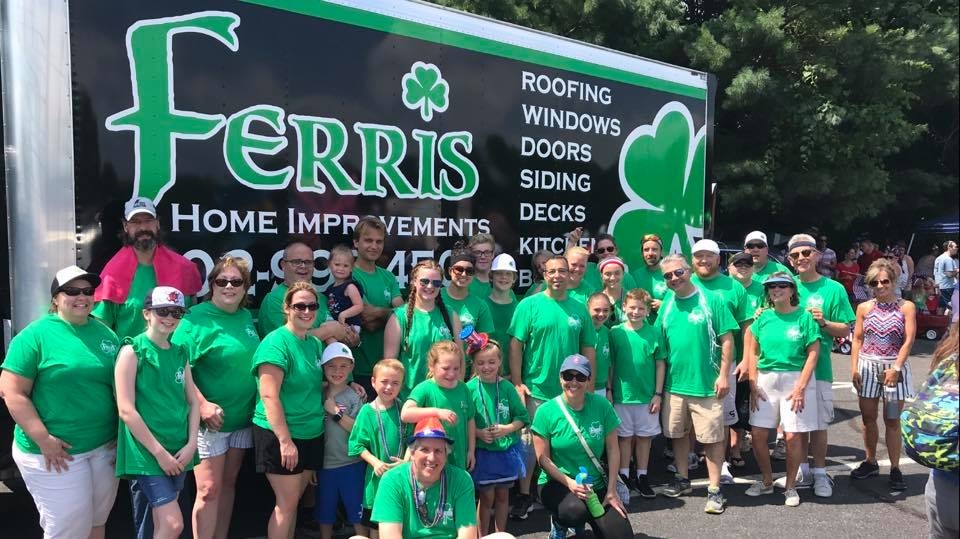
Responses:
[336,417]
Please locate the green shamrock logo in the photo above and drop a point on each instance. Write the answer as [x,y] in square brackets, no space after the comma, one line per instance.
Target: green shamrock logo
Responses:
[425,89]
[662,171]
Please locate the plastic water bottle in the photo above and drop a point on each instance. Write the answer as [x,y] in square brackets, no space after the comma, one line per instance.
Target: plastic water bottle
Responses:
[593,501]
[891,406]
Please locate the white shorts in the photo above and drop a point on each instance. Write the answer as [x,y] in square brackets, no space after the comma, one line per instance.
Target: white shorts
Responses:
[636,420]
[213,444]
[777,408]
[730,416]
[824,405]
[71,502]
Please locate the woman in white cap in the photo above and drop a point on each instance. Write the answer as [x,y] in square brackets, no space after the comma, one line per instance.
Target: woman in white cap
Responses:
[570,432]
[781,347]
[159,412]
[64,439]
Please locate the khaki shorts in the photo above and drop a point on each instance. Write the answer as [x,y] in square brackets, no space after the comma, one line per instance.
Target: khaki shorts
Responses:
[824,404]
[704,414]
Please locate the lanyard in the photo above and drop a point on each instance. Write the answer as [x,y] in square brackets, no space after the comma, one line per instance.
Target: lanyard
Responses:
[496,404]
[383,433]
[420,499]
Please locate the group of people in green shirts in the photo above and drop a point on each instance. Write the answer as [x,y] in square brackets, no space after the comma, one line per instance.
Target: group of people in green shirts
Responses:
[591,364]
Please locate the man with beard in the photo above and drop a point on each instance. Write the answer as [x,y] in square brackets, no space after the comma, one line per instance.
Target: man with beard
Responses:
[140,265]
[756,244]
[649,277]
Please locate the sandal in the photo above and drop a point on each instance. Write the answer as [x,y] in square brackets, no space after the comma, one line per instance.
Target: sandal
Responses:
[738,461]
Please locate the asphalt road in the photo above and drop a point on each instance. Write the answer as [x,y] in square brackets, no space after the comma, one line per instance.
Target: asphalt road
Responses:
[865,508]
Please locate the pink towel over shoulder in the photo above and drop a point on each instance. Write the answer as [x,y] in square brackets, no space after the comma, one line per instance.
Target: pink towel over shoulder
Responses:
[171,269]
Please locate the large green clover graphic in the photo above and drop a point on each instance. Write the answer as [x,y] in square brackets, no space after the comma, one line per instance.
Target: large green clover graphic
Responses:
[662,171]
[425,89]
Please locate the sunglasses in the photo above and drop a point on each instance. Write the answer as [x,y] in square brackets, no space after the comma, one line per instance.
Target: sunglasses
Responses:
[754,246]
[222,283]
[569,376]
[460,270]
[436,283]
[805,253]
[601,250]
[677,273]
[877,282]
[777,285]
[73,291]
[175,312]
[305,307]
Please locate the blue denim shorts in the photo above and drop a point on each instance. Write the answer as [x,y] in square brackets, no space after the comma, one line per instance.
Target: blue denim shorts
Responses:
[160,489]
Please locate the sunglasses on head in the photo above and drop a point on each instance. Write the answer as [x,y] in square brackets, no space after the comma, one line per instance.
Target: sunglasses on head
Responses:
[305,307]
[777,285]
[743,264]
[755,245]
[436,283]
[164,312]
[877,282]
[677,273]
[651,237]
[569,376]
[460,270]
[222,283]
[602,250]
[74,291]
[805,253]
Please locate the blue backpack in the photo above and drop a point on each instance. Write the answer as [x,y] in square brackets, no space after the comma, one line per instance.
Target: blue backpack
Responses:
[929,421]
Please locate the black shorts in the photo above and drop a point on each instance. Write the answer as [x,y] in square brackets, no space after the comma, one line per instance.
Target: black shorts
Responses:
[267,453]
[365,519]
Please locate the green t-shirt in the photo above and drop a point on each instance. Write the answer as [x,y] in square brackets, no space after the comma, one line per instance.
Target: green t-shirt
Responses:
[583,292]
[502,314]
[633,354]
[415,342]
[395,504]
[161,401]
[478,288]
[270,316]
[691,329]
[754,302]
[784,339]
[429,394]
[535,288]
[832,299]
[550,330]
[595,420]
[592,274]
[380,288]
[221,346]
[509,408]
[733,294]
[602,348]
[771,267]
[127,318]
[651,280]
[472,310]
[301,392]
[60,357]
[368,434]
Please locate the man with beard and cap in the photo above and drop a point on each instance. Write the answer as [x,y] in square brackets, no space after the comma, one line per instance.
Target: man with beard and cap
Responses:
[756,244]
[140,265]
[648,276]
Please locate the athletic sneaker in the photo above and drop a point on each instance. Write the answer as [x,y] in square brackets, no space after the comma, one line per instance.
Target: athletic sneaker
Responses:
[693,463]
[803,481]
[678,487]
[792,498]
[822,485]
[864,470]
[629,482]
[521,507]
[759,489]
[716,503]
[896,480]
[726,478]
[779,450]
[643,487]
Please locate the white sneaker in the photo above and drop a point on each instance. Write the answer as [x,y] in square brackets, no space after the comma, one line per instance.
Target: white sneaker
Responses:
[803,481]
[726,478]
[822,485]
[792,498]
[759,489]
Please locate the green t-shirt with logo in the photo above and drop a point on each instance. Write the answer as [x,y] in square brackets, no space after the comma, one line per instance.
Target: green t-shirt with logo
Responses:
[270,316]
[691,329]
[550,330]
[651,280]
[472,310]
[380,288]
[127,318]
[162,403]
[784,339]
[771,267]
[395,503]
[415,342]
[221,347]
[60,357]
[595,420]
[602,348]
[429,394]
[502,315]
[368,434]
[509,408]
[733,293]
[583,292]
[301,392]
[592,274]
[634,354]
[831,297]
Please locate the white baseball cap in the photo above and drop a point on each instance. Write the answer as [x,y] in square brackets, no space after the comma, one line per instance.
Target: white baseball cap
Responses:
[504,262]
[70,273]
[756,235]
[164,296]
[335,350]
[706,245]
[138,205]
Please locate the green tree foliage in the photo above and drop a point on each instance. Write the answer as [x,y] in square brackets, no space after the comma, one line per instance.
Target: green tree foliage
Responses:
[835,113]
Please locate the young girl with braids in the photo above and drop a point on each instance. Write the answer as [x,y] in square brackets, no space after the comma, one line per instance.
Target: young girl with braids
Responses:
[412,329]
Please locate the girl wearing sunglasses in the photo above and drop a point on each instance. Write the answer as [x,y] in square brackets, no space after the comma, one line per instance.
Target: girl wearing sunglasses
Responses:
[221,338]
[64,439]
[288,419]
[159,414]
[458,296]
[781,348]
[882,338]
[413,328]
